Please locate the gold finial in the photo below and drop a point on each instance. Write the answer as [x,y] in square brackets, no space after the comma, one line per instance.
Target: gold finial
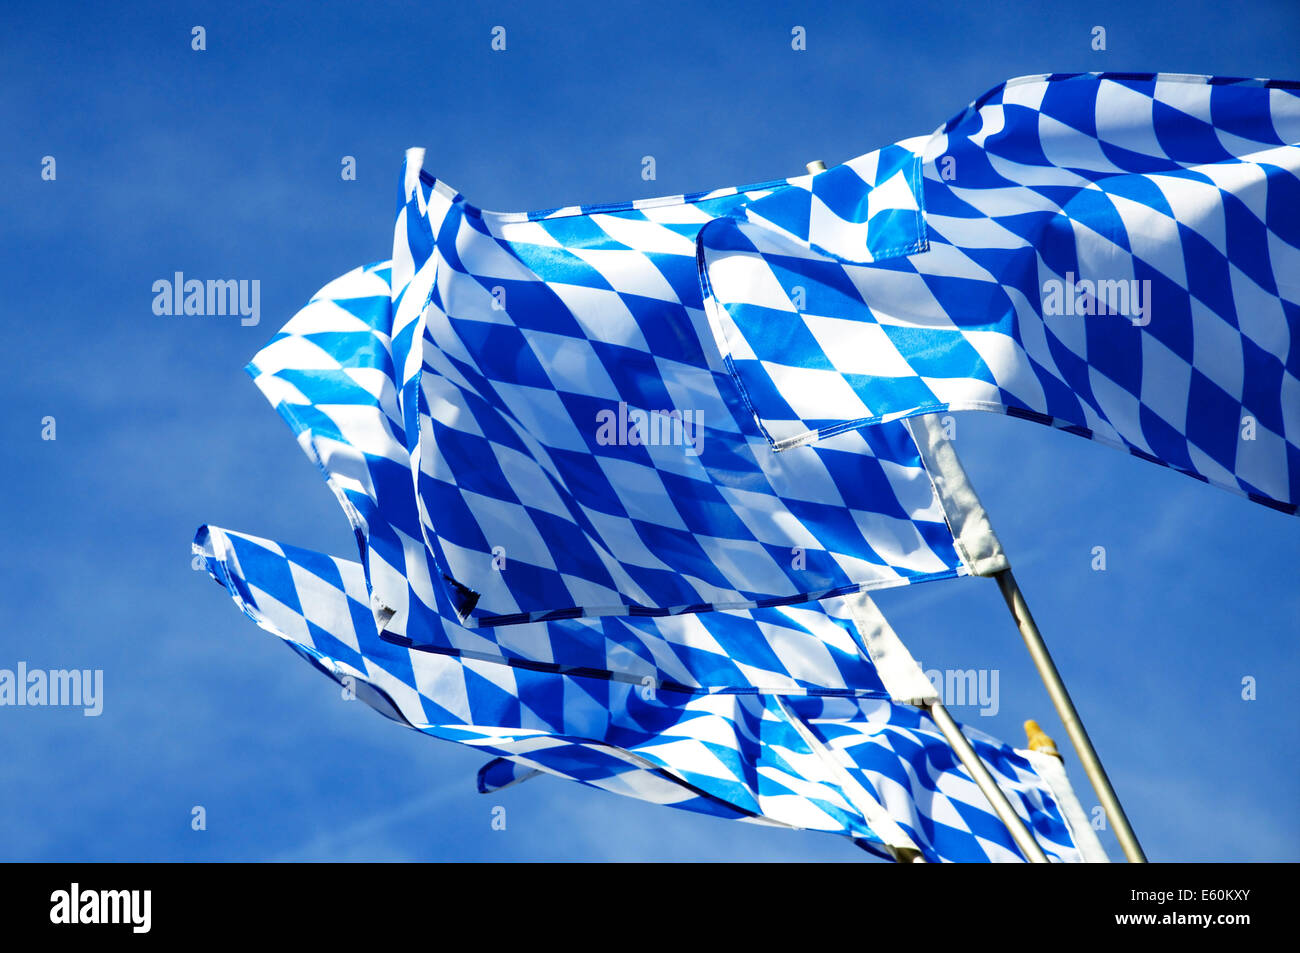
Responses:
[1039,740]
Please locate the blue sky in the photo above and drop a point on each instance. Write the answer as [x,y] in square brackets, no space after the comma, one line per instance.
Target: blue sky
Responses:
[225,163]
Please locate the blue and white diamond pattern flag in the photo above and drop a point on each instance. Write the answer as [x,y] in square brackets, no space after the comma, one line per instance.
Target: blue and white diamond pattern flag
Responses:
[1113,254]
[566,409]
[851,761]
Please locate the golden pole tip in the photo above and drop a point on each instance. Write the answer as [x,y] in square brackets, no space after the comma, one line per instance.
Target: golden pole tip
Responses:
[1039,740]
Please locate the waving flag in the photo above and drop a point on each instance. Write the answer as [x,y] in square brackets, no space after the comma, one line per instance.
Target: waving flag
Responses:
[1113,254]
[565,409]
[846,761]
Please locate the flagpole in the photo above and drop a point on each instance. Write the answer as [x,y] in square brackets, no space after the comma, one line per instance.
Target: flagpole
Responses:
[969,757]
[1069,716]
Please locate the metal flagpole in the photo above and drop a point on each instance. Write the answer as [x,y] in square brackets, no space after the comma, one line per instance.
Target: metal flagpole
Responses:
[982,552]
[1069,716]
[969,757]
